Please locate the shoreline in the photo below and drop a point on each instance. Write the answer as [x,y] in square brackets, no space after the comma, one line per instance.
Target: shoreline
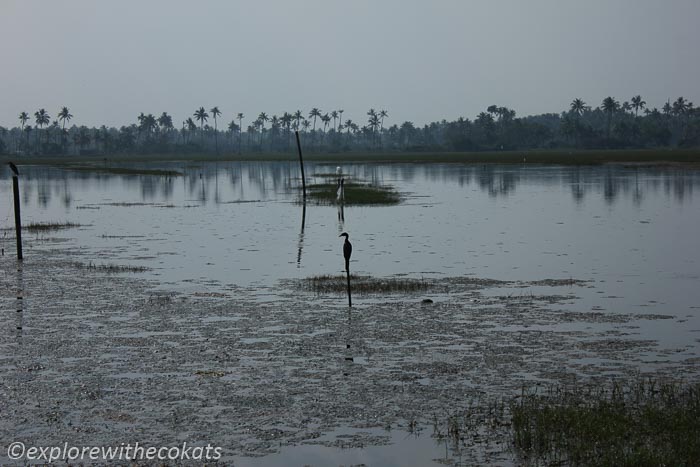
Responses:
[689,158]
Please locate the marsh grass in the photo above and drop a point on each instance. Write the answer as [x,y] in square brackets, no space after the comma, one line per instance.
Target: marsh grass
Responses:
[625,424]
[355,194]
[365,285]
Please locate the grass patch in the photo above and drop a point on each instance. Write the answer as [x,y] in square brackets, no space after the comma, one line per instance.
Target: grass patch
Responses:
[364,285]
[48,226]
[355,194]
[630,424]
[111,268]
[125,171]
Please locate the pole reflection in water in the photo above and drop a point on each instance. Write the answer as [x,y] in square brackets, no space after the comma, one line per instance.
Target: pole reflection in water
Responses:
[301,233]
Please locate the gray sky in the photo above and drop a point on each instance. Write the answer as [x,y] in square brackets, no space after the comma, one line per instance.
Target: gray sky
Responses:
[420,60]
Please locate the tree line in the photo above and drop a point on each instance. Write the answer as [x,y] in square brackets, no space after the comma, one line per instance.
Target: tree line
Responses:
[612,125]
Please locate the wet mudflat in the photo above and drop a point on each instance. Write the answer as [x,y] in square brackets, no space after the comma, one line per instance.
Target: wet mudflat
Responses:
[98,358]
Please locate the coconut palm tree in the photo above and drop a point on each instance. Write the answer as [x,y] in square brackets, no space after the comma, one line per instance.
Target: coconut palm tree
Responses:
[165,121]
[610,106]
[215,112]
[286,121]
[262,118]
[298,116]
[240,129]
[638,103]
[202,116]
[23,118]
[41,118]
[233,129]
[65,116]
[578,106]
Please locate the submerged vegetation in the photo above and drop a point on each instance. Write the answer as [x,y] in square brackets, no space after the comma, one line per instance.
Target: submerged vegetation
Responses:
[643,423]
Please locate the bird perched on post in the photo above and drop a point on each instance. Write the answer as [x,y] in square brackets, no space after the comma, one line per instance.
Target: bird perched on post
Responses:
[13,167]
[347,251]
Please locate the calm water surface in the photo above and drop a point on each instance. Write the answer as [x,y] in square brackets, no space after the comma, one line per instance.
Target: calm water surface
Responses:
[632,231]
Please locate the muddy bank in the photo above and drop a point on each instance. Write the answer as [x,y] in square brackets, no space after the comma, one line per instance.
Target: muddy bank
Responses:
[97,359]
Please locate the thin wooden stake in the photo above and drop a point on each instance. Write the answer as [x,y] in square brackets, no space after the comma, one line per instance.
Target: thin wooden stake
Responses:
[18,221]
[301,163]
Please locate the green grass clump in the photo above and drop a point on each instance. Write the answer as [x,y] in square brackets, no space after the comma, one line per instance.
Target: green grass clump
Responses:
[364,285]
[646,423]
[355,194]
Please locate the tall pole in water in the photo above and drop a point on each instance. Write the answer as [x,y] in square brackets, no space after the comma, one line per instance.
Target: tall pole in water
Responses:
[18,221]
[301,162]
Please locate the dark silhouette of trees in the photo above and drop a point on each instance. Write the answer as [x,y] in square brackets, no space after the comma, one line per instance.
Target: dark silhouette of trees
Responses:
[631,124]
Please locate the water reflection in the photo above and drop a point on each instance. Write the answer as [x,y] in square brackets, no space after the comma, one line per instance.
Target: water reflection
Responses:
[264,180]
[300,243]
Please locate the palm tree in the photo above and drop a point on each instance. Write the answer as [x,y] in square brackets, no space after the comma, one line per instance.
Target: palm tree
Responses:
[240,129]
[165,121]
[638,103]
[233,129]
[315,113]
[286,121]
[334,116]
[64,115]
[382,114]
[215,112]
[610,106]
[262,118]
[42,118]
[202,116]
[191,126]
[23,118]
[578,106]
[298,116]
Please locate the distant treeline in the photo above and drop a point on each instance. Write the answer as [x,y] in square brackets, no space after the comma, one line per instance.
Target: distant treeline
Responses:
[611,125]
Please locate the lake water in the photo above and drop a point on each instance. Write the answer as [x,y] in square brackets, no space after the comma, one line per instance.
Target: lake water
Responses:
[630,231]
[633,230]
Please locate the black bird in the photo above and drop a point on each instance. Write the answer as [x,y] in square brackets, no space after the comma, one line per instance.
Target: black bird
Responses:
[13,167]
[347,251]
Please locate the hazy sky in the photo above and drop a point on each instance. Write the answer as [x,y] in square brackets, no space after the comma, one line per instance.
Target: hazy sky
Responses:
[422,61]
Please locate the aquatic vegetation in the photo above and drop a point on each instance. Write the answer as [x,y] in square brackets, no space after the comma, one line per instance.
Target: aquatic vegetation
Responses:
[647,422]
[365,285]
[48,226]
[111,268]
[355,194]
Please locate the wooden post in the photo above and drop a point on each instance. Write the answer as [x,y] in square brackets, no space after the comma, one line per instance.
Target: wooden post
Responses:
[18,221]
[301,162]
